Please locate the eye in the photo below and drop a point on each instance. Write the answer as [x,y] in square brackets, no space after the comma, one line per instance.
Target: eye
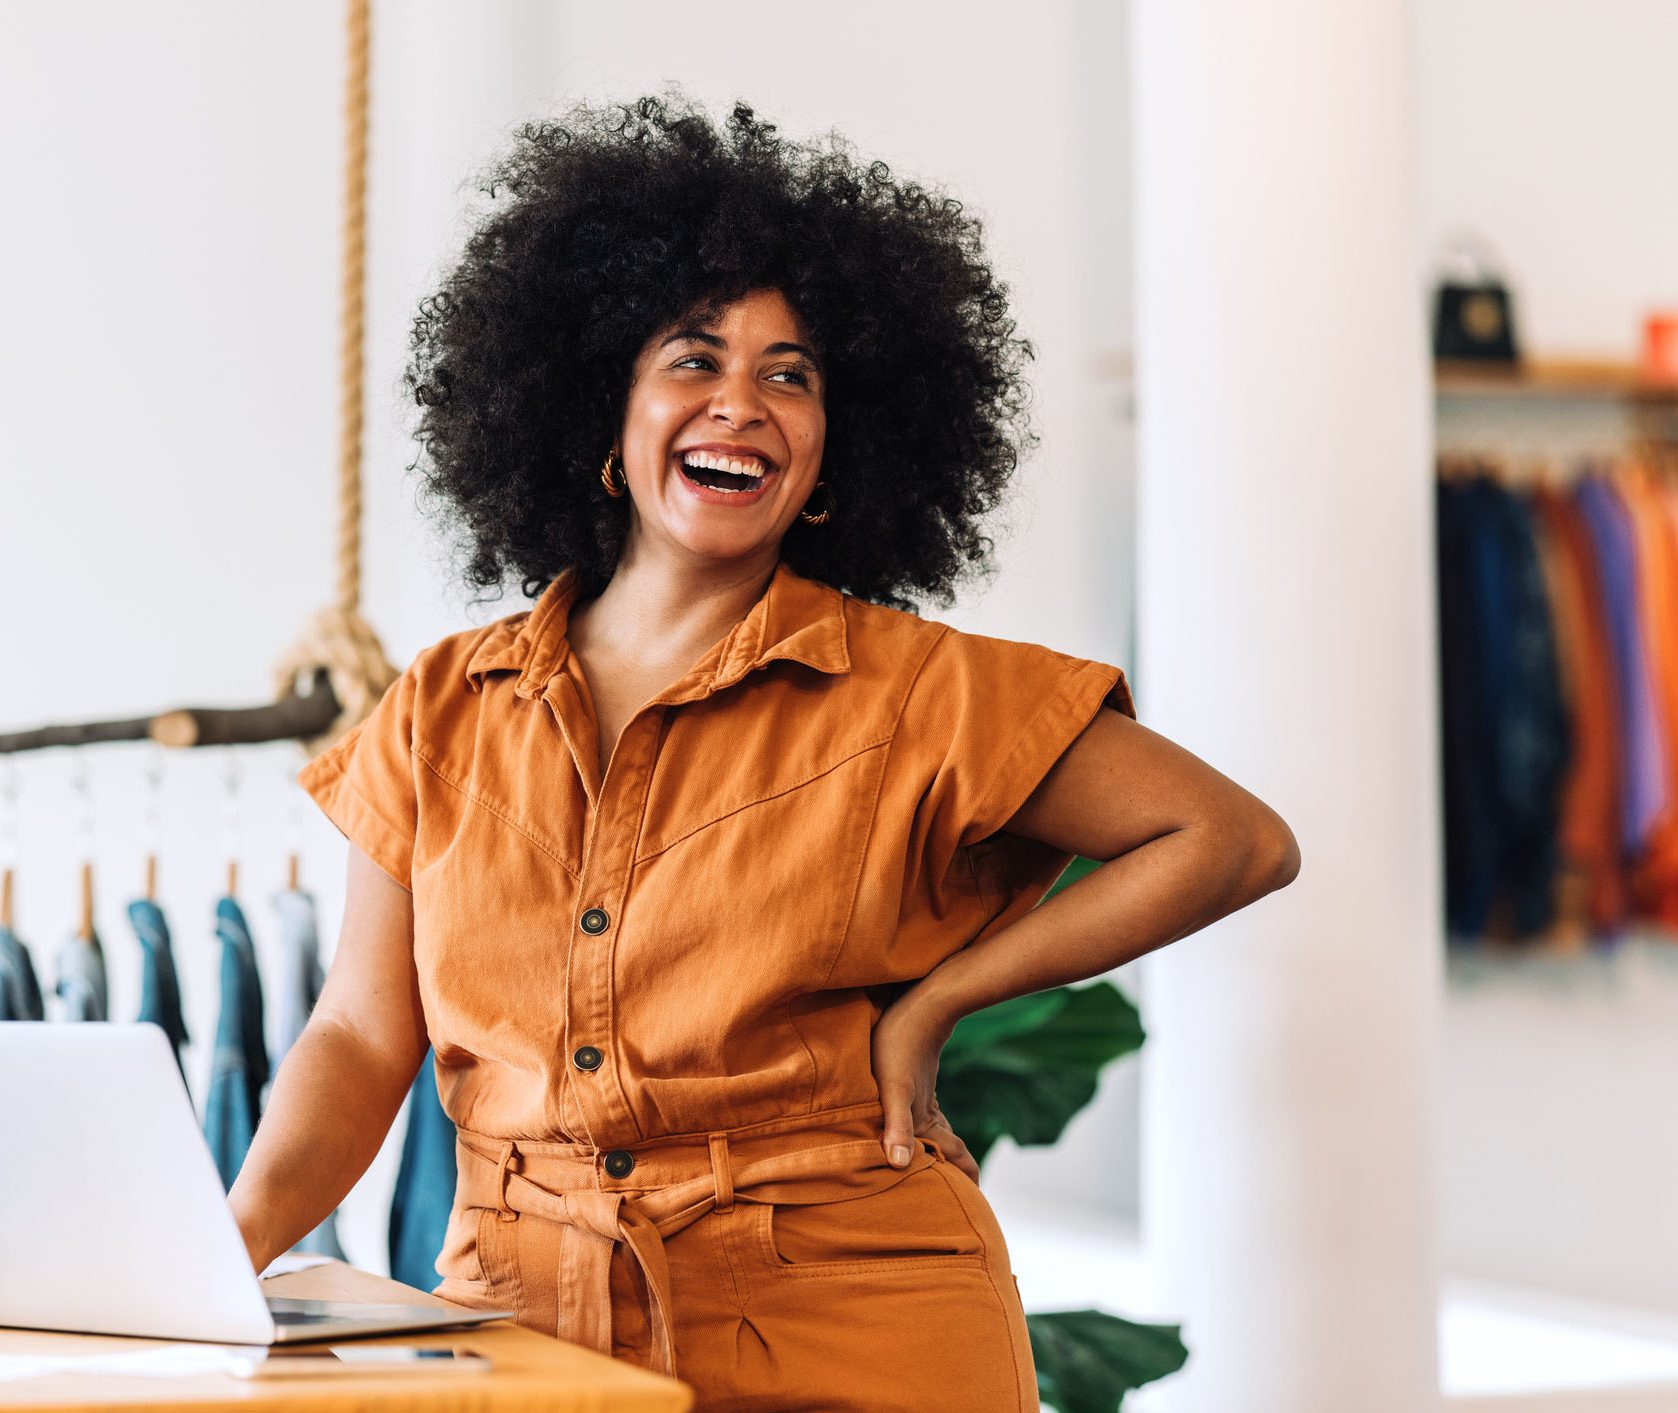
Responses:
[798,375]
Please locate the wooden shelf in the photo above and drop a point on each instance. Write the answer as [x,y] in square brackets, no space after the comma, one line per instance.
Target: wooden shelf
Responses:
[1551,377]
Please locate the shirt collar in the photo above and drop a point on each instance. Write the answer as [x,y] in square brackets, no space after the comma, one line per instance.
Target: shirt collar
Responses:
[800,619]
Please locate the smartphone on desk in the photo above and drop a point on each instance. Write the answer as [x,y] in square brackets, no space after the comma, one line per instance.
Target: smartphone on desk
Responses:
[281,1362]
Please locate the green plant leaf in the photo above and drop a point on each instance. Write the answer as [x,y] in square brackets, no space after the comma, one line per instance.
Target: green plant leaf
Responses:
[1023,1068]
[1071,874]
[1087,1360]
[1018,1016]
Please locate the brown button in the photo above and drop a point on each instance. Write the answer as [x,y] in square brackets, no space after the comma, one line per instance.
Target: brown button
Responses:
[587,1058]
[620,1162]
[595,921]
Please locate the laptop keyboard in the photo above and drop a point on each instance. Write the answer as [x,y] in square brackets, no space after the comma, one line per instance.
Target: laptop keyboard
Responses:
[292,1312]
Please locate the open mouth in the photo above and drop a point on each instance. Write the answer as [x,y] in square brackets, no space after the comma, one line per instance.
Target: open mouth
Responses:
[734,474]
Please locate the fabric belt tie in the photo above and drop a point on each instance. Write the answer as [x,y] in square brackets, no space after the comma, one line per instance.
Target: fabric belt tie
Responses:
[811,1159]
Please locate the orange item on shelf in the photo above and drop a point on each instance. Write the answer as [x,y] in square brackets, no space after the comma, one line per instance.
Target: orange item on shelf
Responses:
[1660,346]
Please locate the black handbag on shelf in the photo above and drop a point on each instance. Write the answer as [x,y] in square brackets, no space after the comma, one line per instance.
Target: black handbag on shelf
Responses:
[1473,313]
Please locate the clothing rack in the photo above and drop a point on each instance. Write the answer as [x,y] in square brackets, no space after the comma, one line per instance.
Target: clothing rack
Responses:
[1563,573]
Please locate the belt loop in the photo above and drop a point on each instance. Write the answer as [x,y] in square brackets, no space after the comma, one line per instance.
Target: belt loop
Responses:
[509,1150]
[723,1173]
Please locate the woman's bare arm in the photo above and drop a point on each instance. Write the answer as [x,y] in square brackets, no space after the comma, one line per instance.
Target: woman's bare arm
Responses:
[342,1083]
[1184,846]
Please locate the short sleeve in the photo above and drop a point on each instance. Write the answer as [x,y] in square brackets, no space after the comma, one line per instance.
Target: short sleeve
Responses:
[1008,712]
[987,718]
[364,782]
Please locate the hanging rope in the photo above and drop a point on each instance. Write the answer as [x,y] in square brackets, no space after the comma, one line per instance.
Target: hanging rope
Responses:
[353,295]
[338,639]
[348,650]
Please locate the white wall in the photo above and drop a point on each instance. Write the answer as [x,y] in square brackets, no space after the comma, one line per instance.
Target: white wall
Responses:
[168,374]
[1548,128]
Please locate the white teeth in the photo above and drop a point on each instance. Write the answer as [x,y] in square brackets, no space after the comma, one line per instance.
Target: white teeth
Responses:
[740,466]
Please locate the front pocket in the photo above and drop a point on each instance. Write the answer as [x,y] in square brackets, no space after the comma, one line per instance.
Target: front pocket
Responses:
[498,1255]
[460,1261]
[917,1222]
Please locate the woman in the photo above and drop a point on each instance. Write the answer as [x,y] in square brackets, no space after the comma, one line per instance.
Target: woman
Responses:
[688,870]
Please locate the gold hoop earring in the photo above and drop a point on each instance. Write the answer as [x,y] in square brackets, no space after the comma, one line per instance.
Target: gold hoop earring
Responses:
[606,475]
[817,519]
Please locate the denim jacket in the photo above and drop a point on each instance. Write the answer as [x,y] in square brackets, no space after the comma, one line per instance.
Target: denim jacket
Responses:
[240,1068]
[160,991]
[20,991]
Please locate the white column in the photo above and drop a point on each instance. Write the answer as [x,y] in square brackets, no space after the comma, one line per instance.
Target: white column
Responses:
[1285,634]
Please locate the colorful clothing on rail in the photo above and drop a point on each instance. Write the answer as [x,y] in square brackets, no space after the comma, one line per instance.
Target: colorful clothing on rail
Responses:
[1591,895]
[1654,521]
[1506,740]
[1607,548]
[160,990]
[1643,774]
[81,986]
[239,1070]
[20,989]
[292,1000]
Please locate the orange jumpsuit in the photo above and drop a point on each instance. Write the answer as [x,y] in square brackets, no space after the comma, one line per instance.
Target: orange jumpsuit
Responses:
[651,995]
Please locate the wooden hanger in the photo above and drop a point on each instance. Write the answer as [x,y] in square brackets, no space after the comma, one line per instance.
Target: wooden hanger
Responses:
[8,838]
[84,799]
[154,818]
[85,931]
[231,779]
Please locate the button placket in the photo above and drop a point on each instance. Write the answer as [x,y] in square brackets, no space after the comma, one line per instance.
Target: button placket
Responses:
[591,1006]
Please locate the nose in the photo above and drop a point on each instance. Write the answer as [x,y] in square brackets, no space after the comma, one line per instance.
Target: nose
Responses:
[738,400]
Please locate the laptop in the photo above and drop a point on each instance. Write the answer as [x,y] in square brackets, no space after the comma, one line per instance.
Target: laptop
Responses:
[112,1216]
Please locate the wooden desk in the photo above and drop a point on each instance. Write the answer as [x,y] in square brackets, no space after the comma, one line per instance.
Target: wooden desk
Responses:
[532,1373]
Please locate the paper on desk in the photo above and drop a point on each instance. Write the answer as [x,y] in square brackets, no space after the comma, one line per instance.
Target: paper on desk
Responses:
[293,1261]
[169,1361]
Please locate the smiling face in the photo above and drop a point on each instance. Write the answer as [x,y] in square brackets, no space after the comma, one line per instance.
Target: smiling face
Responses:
[723,430]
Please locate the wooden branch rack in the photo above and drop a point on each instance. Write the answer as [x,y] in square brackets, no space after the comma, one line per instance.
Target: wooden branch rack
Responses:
[297,715]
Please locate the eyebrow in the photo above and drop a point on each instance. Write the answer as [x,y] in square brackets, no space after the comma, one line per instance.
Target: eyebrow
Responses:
[700,336]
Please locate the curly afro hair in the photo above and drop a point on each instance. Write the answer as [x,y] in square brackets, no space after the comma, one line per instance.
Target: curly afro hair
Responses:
[623,219]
